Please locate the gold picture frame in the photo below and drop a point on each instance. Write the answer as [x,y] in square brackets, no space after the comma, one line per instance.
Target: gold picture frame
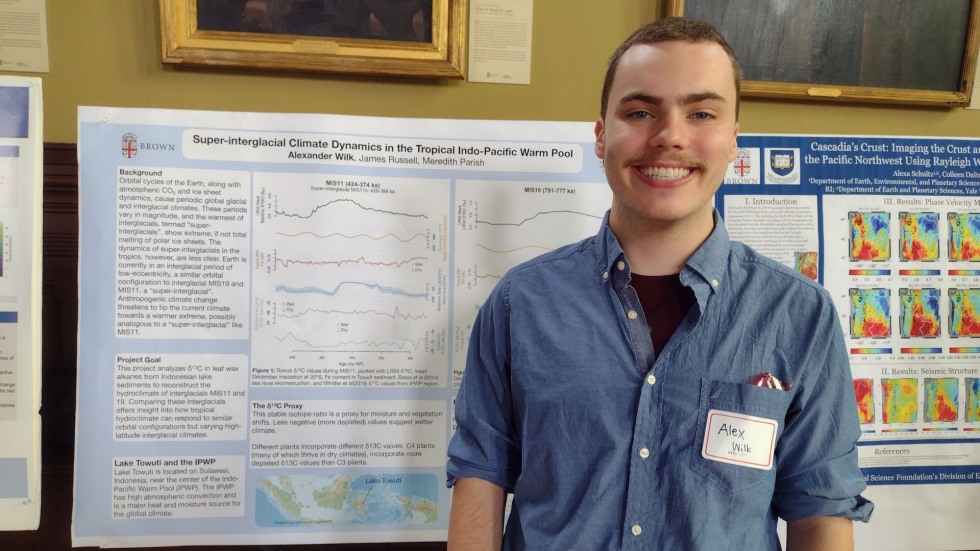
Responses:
[900,51]
[265,43]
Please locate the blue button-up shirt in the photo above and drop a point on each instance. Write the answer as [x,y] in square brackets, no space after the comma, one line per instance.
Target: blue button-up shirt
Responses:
[565,404]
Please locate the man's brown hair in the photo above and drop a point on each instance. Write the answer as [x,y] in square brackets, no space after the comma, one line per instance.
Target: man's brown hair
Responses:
[672,29]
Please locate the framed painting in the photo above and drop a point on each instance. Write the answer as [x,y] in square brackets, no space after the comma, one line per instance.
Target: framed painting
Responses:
[404,38]
[881,51]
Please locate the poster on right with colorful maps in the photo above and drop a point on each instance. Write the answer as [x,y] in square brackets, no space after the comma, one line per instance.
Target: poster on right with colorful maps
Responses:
[891,227]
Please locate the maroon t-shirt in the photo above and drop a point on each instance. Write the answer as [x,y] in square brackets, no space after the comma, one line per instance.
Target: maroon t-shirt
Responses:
[665,302]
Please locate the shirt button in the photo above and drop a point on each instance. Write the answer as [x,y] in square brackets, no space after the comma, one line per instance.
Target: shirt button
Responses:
[651,380]
[631,314]
[714,282]
[621,265]
[644,453]
[605,275]
[636,530]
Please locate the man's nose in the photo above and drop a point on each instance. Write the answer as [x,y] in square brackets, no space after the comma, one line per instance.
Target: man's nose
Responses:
[672,132]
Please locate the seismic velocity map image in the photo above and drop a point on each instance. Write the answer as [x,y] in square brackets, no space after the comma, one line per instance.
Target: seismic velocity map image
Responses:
[900,400]
[919,236]
[920,315]
[869,236]
[941,399]
[964,236]
[870,313]
[964,317]
[864,394]
[344,500]
[973,400]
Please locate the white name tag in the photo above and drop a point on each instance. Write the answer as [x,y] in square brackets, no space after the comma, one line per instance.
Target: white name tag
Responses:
[740,439]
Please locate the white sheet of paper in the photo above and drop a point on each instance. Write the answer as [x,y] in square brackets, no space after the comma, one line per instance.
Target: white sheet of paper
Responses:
[23,36]
[500,41]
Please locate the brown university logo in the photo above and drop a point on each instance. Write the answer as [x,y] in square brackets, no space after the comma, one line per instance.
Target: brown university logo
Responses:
[129,145]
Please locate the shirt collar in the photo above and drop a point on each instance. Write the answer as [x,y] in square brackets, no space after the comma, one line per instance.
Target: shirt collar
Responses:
[608,252]
[708,262]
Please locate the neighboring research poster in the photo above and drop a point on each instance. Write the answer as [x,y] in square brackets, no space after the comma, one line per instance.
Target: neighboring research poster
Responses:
[20,302]
[891,227]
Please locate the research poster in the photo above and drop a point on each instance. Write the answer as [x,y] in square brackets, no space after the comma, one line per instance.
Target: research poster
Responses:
[20,302]
[277,310]
[277,307]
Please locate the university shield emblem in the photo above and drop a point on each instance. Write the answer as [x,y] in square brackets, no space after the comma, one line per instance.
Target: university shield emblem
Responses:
[743,163]
[782,161]
[129,145]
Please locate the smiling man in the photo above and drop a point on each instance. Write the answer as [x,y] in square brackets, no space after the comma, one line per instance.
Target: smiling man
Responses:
[658,386]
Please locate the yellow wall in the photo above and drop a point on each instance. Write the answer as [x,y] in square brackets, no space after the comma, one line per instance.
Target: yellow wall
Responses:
[107,53]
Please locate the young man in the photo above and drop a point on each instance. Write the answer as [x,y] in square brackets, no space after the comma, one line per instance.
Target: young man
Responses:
[613,385]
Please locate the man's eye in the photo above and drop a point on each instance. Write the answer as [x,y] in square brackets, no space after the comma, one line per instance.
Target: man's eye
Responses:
[702,116]
[639,115]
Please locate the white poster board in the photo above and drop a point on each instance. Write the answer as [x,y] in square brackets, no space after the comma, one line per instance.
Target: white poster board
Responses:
[20,302]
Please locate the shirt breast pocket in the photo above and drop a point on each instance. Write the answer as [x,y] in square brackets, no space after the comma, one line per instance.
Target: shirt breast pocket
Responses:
[743,401]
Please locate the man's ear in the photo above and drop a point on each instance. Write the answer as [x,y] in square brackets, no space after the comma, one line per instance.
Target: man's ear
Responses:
[734,152]
[600,140]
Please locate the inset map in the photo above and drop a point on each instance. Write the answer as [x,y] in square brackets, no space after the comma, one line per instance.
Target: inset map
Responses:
[807,263]
[343,500]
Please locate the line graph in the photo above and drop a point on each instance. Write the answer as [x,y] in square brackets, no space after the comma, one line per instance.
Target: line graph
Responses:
[394,314]
[533,248]
[328,292]
[357,204]
[403,346]
[418,235]
[287,262]
[353,278]
[538,214]
[478,275]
